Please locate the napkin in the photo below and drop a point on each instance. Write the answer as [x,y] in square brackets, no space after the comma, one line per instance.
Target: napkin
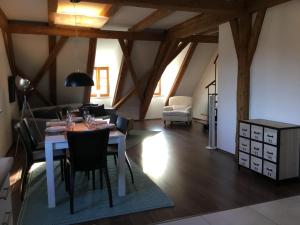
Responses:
[56,129]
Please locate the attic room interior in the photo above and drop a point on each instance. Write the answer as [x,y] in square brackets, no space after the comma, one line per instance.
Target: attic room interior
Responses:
[149,112]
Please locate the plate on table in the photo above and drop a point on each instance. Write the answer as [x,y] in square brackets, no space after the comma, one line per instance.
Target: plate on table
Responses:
[56,129]
[110,126]
[56,123]
[77,119]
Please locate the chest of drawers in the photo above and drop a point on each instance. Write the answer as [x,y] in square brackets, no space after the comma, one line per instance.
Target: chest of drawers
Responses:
[269,148]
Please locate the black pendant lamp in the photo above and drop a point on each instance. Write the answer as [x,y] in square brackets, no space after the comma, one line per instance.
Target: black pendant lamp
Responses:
[78,79]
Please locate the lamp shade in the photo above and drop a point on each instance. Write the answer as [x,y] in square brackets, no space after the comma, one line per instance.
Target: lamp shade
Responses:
[78,79]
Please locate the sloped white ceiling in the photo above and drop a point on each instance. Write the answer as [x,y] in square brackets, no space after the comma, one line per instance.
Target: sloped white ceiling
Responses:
[125,17]
[30,10]
[173,19]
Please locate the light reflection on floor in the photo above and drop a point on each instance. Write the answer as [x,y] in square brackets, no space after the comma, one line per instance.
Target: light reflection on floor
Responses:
[155,155]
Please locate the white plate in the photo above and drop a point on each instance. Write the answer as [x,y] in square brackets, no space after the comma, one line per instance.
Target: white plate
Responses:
[56,129]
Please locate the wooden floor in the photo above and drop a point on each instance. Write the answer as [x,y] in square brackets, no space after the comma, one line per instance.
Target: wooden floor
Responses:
[198,180]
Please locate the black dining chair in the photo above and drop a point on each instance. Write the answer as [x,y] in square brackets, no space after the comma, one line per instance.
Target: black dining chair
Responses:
[113,119]
[32,155]
[122,125]
[37,145]
[87,152]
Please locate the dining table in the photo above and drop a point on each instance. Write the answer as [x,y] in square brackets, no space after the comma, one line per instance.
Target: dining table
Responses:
[54,142]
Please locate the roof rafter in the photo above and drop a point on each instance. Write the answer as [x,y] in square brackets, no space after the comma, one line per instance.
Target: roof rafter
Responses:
[43,29]
[179,5]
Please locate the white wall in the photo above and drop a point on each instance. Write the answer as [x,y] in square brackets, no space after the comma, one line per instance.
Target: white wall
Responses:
[200,99]
[275,73]
[9,110]
[227,80]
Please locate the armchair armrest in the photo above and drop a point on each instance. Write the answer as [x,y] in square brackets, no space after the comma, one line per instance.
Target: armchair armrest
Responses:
[168,108]
[188,109]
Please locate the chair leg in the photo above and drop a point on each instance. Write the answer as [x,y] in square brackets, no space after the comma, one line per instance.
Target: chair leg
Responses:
[101,178]
[72,184]
[115,159]
[129,167]
[62,169]
[93,175]
[108,187]
[67,177]
[24,182]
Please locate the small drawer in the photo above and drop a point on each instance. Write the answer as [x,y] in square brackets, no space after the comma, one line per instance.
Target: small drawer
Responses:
[270,170]
[244,145]
[256,164]
[245,130]
[270,153]
[244,159]
[270,136]
[256,133]
[256,148]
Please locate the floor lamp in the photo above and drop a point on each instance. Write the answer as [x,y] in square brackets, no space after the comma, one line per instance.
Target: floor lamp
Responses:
[25,88]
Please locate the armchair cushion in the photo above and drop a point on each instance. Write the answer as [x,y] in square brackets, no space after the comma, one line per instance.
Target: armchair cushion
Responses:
[178,110]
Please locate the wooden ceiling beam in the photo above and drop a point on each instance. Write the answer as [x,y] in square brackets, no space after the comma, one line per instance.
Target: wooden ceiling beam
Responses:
[52,8]
[90,67]
[51,58]
[131,69]
[9,52]
[181,72]
[143,24]
[256,5]
[151,19]
[200,24]
[109,10]
[179,5]
[3,20]
[201,39]
[43,29]
[122,75]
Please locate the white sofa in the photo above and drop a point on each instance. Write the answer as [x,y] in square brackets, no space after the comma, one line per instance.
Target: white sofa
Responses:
[179,110]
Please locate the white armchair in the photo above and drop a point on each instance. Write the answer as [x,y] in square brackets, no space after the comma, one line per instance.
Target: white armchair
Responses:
[179,110]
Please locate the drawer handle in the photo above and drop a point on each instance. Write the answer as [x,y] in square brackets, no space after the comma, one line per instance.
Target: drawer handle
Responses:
[245,160]
[270,136]
[4,193]
[256,148]
[255,132]
[269,169]
[244,145]
[6,218]
[245,130]
[270,153]
[256,164]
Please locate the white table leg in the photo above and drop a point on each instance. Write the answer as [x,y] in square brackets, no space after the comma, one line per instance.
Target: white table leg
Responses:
[50,175]
[121,166]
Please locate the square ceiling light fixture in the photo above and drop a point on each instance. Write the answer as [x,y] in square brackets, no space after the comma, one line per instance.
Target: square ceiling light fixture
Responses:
[81,15]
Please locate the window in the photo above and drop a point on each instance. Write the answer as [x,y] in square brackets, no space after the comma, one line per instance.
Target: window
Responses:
[157,91]
[101,81]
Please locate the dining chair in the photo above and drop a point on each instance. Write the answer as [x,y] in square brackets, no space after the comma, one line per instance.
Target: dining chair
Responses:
[32,155]
[113,119]
[122,125]
[37,145]
[87,152]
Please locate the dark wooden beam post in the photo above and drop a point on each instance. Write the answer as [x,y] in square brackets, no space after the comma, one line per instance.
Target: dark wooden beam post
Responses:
[181,72]
[245,38]
[90,67]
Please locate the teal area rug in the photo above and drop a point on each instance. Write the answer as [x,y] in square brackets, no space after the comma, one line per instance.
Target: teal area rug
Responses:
[89,204]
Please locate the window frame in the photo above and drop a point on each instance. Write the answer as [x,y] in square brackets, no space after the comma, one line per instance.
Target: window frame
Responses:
[98,80]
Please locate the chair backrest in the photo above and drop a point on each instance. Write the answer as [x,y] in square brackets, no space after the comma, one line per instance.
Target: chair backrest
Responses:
[122,124]
[113,118]
[181,100]
[29,128]
[25,140]
[88,149]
